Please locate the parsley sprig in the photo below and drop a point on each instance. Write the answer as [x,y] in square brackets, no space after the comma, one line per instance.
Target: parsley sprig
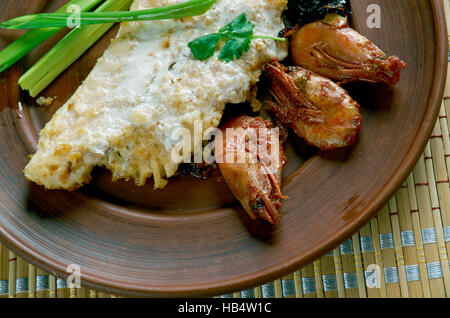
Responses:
[237,35]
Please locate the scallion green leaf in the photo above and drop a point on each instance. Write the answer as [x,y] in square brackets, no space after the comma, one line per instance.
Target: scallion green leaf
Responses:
[176,11]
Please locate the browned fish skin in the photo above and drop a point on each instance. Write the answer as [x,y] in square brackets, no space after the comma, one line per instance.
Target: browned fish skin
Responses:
[316,108]
[255,185]
[334,50]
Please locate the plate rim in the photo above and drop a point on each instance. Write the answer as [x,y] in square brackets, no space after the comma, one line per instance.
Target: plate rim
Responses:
[292,264]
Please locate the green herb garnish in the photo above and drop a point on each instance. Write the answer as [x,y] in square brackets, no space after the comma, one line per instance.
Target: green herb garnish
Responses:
[237,35]
[44,20]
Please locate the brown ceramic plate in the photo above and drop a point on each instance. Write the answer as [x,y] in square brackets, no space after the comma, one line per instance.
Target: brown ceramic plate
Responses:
[192,238]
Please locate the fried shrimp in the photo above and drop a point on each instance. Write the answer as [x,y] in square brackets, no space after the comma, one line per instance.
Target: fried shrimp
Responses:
[316,108]
[334,50]
[256,180]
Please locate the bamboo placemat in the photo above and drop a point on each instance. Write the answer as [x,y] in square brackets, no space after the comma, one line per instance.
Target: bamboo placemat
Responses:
[402,252]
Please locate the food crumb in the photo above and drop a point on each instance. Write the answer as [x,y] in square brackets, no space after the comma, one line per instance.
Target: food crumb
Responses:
[45,101]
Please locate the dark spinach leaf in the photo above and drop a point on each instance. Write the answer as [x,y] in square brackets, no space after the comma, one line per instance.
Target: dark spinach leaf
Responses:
[301,12]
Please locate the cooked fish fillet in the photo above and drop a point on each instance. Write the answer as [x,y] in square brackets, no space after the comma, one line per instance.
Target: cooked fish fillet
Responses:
[145,85]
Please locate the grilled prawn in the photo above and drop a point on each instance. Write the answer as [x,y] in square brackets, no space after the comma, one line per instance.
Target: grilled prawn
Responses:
[316,108]
[334,50]
[251,159]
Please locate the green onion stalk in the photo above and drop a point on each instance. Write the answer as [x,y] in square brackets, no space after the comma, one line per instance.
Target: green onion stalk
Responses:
[175,11]
[22,46]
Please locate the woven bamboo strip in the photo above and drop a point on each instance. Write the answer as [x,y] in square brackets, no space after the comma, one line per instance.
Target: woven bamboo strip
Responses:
[31,281]
[438,189]
[408,243]
[12,275]
[427,223]
[378,256]
[93,293]
[329,276]
[278,288]
[443,120]
[418,237]
[447,101]
[400,258]
[447,84]
[61,288]
[390,269]
[359,266]
[257,291]
[72,293]
[41,284]
[447,14]
[339,273]
[349,269]
[308,281]
[298,284]
[103,295]
[52,286]
[288,286]
[447,106]
[21,278]
[368,257]
[4,253]
[318,279]
[440,196]
[82,292]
